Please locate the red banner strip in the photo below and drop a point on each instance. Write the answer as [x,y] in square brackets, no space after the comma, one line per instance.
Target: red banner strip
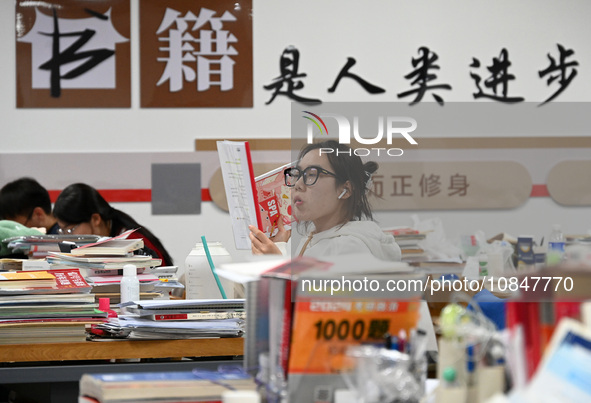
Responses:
[128,195]
[539,191]
[145,195]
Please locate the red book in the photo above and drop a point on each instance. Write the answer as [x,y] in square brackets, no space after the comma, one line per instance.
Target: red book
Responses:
[252,184]
[286,327]
[512,314]
[66,281]
[568,309]
[533,337]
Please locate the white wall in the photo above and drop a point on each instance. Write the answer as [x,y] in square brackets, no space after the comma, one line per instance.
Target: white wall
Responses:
[383,35]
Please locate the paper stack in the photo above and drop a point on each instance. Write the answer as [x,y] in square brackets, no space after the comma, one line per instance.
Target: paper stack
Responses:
[180,319]
[409,241]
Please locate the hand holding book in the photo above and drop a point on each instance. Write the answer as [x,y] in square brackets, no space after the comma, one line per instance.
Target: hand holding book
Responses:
[262,201]
[274,202]
[263,245]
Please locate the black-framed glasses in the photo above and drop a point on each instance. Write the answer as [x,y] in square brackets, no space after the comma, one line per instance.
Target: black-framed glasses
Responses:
[310,174]
[67,231]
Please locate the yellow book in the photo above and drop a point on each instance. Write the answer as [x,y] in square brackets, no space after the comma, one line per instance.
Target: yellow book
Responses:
[26,275]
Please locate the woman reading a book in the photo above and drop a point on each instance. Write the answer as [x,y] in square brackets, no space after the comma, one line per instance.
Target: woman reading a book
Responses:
[80,209]
[329,200]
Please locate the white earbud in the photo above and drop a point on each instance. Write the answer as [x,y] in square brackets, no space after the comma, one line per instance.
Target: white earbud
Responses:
[342,193]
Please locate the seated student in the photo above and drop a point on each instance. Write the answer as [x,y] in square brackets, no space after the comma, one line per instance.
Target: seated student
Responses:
[27,202]
[329,199]
[80,209]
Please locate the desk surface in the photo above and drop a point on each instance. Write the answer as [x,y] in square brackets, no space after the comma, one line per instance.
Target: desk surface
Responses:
[124,349]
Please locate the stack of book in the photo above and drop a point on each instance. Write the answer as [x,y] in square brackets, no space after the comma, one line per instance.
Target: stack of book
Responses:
[9,264]
[46,307]
[103,263]
[409,241]
[42,282]
[105,286]
[39,246]
[179,319]
[169,286]
[197,386]
[155,282]
[104,273]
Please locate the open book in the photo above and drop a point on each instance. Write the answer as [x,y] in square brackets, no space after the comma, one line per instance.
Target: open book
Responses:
[259,201]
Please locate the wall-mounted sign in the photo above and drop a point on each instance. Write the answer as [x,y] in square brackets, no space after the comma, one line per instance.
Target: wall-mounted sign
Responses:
[491,78]
[569,183]
[196,54]
[450,185]
[73,54]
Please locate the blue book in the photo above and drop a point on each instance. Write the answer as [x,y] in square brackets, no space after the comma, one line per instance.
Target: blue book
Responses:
[197,375]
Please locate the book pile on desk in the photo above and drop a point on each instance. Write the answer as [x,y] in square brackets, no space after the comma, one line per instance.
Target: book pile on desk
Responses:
[155,283]
[105,256]
[163,387]
[104,275]
[179,319]
[39,246]
[109,286]
[408,239]
[103,263]
[46,307]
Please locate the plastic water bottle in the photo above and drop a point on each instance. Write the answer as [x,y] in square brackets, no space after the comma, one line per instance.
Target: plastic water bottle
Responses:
[555,252]
[130,285]
[482,264]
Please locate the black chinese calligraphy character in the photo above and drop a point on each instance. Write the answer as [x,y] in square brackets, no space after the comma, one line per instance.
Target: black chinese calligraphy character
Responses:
[367,86]
[564,71]
[422,77]
[499,77]
[458,184]
[378,185]
[400,184]
[288,81]
[70,55]
[430,185]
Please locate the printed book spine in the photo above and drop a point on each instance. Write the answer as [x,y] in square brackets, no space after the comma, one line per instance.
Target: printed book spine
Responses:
[199,316]
[253,184]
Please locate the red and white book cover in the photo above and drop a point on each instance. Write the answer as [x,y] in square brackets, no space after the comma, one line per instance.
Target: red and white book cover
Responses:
[66,281]
[274,199]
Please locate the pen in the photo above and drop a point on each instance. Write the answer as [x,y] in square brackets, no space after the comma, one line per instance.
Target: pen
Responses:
[212,267]
[402,345]
[470,364]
